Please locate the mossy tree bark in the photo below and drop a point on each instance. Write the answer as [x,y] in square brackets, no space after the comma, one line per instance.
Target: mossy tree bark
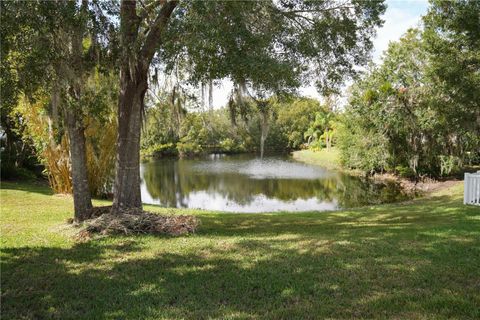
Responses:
[133,85]
[75,73]
[82,201]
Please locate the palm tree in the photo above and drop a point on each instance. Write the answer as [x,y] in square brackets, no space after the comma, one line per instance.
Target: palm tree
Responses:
[321,128]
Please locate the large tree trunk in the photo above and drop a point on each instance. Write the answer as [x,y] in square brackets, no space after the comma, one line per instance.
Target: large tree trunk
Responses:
[82,201]
[133,85]
[130,106]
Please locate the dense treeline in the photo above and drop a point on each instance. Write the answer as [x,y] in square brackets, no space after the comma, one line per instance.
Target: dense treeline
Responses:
[293,123]
[418,112]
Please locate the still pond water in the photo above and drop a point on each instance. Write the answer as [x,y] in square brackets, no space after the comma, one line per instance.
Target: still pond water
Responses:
[244,183]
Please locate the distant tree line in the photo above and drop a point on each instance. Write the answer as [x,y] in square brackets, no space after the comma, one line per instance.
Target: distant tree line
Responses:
[294,123]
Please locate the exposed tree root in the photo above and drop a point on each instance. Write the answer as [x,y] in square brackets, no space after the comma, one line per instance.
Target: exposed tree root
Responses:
[136,221]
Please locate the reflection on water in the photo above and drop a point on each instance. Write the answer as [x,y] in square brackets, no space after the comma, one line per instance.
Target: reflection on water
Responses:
[244,183]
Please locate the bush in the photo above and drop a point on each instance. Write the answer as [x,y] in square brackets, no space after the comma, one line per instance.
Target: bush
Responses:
[316,145]
[405,172]
[448,164]
[229,145]
[188,149]
[10,172]
[160,151]
[362,149]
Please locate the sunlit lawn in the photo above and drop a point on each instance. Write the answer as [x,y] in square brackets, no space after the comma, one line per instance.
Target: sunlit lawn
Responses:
[325,158]
[417,260]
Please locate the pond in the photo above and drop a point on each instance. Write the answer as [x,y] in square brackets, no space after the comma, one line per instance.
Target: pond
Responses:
[245,183]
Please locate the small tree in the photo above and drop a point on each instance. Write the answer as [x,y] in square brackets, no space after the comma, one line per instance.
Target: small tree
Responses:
[55,47]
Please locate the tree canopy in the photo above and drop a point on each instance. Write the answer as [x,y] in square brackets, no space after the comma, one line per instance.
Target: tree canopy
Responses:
[418,112]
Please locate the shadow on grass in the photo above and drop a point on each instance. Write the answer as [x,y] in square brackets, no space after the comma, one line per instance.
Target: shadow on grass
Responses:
[382,264]
[424,213]
[38,186]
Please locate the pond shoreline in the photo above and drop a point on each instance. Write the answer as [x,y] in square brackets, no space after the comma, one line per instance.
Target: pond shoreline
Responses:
[329,160]
[275,183]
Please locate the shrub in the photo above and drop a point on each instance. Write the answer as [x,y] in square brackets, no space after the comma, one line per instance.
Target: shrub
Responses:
[160,151]
[188,149]
[405,172]
[229,145]
[10,172]
[52,147]
[362,149]
[448,164]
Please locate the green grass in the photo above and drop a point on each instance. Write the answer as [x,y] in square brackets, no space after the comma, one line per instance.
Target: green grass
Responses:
[325,158]
[415,260]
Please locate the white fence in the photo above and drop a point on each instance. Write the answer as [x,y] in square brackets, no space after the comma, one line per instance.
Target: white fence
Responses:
[471,193]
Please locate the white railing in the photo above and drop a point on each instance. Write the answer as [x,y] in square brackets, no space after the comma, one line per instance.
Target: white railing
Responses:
[471,193]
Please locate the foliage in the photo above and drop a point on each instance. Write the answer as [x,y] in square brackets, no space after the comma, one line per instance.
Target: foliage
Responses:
[452,40]
[160,150]
[56,55]
[101,149]
[448,164]
[16,154]
[194,135]
[361,148]
[50,141]
[187,148]
[404,172]
[295,118]
[213,131]
[163,119]
[51,145]
[172,130]
[270,45]
[401,114]
[321,131]
[18,159]
[228,145]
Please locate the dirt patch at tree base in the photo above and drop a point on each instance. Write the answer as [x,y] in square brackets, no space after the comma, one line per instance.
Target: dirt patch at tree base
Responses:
[136,221]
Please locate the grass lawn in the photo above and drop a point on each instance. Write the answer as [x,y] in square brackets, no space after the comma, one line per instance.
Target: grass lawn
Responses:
[416,260]
[325,158]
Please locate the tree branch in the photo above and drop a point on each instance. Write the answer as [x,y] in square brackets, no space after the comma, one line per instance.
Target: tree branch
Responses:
[129,22]
[153,39]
